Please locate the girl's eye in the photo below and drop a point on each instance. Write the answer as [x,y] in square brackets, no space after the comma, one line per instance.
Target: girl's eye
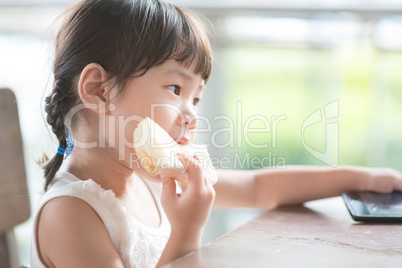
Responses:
[196,101]
[175,89]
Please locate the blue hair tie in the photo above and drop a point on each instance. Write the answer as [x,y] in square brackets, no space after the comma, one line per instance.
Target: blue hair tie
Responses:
[61,150]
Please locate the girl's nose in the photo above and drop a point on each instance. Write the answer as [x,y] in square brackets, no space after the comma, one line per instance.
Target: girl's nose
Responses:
[188,117]
[187,121]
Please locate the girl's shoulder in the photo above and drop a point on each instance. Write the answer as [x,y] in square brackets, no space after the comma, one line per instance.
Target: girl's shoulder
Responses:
[70,225]
[66,184]
[70,216]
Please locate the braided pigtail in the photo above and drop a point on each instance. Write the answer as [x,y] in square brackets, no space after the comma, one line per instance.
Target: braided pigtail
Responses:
[57,105]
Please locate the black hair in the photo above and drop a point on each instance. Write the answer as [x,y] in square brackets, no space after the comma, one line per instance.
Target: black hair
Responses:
[125,37]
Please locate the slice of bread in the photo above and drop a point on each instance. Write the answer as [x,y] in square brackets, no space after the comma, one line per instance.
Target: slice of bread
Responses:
[157,152]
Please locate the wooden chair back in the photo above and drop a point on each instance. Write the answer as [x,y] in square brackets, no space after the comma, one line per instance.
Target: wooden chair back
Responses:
[14,198]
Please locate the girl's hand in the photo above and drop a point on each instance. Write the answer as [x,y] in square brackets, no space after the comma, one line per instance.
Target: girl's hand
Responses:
[382,180]
[188,211]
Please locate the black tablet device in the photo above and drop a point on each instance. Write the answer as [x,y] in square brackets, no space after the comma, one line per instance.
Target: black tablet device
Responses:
[374,207]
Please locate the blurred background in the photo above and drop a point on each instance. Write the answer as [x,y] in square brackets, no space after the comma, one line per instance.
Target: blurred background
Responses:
[275,63]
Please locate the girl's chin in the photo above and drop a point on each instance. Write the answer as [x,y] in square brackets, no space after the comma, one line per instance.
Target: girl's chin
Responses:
[145,175]
[155,179]
[150,177]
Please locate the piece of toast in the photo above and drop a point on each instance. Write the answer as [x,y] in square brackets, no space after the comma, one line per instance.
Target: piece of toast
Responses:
[158,151]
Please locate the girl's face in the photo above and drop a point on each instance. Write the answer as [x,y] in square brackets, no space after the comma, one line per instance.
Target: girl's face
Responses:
[168,94]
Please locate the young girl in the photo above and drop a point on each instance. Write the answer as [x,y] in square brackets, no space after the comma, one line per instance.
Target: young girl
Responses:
[117,62]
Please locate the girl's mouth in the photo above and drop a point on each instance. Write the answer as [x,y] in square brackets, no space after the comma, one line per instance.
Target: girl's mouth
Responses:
[183,140]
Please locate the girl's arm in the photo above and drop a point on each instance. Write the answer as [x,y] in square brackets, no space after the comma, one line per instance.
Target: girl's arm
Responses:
[187,212]
[71,234]
[269,188]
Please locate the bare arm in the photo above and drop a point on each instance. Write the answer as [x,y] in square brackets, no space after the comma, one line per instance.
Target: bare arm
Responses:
[235,188]
[71,234]
[266,188]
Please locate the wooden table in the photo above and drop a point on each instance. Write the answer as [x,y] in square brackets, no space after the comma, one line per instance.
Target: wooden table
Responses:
[319,234]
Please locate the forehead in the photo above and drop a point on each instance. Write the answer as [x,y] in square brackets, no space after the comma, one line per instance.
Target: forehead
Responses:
[172,68]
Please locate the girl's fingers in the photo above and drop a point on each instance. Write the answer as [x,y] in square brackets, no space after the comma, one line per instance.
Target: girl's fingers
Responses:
[168,190]
[398,184]
[193,169]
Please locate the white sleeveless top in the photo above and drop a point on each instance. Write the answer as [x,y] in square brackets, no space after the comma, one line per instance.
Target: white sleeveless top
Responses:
[137,244]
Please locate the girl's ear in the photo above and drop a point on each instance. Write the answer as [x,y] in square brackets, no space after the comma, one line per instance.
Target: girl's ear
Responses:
[92,88]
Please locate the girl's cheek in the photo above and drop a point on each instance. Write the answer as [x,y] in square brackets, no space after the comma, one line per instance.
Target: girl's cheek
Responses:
[166,116]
